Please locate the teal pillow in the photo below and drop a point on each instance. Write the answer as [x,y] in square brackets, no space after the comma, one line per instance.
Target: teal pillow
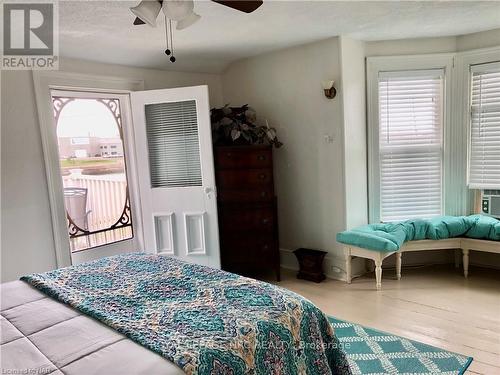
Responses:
[483,227]
[496,231]
[416,229]
[373,237]
[447,227]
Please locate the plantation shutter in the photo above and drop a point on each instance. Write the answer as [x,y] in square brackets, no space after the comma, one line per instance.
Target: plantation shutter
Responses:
[484,155]
[410,144]
[173,144]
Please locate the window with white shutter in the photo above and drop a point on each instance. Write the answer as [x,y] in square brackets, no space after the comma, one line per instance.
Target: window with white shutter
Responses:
[484,148]
[410,144]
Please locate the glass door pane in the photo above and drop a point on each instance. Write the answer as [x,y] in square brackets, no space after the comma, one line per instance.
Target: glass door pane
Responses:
[93,171]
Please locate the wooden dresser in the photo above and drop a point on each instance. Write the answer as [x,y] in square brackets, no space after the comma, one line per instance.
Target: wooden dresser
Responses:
[248,223]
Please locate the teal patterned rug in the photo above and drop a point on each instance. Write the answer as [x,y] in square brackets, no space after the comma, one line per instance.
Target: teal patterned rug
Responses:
[374,352]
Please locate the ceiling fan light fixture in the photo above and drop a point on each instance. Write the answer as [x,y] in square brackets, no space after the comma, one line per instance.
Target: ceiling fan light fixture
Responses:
[177,10]
[188,21]
[147,11]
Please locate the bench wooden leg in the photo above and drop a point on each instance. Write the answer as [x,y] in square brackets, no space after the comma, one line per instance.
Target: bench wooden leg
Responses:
[378,272]
[347,253]
[398,265]
[465,260]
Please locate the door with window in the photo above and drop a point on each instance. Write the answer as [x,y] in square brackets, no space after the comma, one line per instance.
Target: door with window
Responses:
[176,174]
[94,155]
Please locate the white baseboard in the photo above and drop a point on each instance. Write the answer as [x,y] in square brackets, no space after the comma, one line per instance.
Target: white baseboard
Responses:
[333,266]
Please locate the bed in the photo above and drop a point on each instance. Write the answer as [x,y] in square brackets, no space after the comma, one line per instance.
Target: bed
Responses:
[146,314]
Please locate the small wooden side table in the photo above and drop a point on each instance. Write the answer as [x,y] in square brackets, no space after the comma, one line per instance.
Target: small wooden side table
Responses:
[310,264]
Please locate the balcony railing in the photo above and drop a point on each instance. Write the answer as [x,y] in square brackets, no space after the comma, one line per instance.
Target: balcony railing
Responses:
[106,199]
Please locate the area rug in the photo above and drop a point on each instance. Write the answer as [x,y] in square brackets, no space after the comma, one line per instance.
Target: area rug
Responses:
[374,352]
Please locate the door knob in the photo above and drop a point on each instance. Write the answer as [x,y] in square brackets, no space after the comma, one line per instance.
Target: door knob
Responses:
[209,191]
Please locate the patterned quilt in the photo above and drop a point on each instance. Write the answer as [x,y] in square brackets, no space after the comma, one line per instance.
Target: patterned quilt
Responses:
[204,320]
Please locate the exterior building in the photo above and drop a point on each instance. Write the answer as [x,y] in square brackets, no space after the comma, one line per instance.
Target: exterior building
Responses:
[88,147]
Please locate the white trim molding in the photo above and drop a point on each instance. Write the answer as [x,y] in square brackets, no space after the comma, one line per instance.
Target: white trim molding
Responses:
[44,82]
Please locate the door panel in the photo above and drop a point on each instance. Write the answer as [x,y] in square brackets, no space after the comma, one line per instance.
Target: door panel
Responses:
[176,173]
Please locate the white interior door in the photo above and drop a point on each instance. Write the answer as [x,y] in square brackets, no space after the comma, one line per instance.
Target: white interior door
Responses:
[176,173]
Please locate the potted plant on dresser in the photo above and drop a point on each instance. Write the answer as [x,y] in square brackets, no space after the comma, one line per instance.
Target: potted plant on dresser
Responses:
[247,205]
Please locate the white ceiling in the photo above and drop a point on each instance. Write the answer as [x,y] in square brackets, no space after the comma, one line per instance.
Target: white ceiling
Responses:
[103,31]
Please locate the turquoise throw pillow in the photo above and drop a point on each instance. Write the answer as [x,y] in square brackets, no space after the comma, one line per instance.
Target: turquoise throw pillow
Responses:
[483,227]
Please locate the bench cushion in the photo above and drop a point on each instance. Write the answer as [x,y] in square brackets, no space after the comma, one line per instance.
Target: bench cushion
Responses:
[483,227]
[380,237]
[391,236]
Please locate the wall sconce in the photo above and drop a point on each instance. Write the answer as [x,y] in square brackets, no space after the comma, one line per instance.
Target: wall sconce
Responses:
[330,91]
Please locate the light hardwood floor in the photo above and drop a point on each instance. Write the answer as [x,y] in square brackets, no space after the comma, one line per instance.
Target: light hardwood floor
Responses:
[434,305]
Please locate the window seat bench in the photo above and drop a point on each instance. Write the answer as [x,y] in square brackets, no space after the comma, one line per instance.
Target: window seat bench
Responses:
[379,241]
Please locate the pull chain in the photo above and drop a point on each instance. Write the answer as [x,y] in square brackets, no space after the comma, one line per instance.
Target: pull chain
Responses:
[167,51]
[169,38]
[172,58]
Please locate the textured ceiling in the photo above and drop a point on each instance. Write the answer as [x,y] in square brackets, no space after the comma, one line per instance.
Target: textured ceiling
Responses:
[103,31]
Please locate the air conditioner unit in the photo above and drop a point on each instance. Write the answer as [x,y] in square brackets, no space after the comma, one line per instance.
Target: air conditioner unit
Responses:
[490,202]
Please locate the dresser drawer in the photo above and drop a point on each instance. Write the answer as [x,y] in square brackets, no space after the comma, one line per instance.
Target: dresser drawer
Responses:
[260,219]
[264,194]
[243,157]
[236,178]
[246,248]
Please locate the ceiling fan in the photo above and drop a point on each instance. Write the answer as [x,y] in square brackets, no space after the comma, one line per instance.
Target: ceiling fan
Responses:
[182,13]
[182,10]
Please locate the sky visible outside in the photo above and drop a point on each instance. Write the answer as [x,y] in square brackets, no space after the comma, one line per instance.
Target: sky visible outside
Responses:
[86,118]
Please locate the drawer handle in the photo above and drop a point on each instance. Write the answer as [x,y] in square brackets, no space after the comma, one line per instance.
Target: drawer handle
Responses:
[263,194]
[262,176]
[265,221]
[261,157]
[265,247]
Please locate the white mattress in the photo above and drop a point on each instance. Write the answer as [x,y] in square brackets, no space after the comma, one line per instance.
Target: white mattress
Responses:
[42,336]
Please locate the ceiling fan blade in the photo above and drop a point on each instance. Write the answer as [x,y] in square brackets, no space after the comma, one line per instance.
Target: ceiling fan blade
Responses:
[243,6]
[138,21]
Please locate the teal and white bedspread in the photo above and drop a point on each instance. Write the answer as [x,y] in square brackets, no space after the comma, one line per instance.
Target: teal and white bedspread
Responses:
[204,320]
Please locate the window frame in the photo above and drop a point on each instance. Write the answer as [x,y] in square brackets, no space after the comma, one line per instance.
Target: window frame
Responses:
[378,64]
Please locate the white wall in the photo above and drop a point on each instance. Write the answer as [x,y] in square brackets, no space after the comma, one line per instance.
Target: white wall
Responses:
[26,234]
[483,39]
[353,97]
[284,87]
[418,46]
[411,46]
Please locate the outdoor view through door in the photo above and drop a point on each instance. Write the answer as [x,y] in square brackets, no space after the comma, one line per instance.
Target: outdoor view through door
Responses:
[93,170]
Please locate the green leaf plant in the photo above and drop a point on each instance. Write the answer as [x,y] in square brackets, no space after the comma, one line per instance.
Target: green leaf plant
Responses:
[237,126]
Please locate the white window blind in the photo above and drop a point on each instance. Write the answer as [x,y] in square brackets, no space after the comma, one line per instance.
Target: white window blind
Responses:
[484,155]
[173,144]
[410,144]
